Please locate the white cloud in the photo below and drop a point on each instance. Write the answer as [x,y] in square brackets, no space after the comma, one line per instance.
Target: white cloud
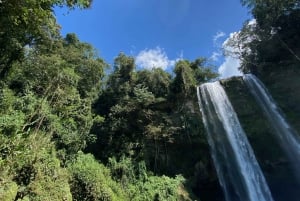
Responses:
[233,46]
[231,63]
[215,56]
[252,22]
[154,58]
[237,42]
[229,67]
[218,35]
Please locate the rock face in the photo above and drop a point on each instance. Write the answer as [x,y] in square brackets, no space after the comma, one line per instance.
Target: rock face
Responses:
[271,157]
[189,155]
[284,85]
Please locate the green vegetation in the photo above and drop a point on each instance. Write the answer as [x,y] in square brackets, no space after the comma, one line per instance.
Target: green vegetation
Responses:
[92,181]
[56,105]
[28,23]
[269,48]
[272,42]
[68,131]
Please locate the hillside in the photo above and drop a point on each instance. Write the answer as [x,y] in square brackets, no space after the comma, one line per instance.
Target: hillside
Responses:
[73,127]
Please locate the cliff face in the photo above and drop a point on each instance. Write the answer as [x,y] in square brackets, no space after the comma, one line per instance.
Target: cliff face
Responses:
[285,88]
[252,120]
[284,85]
[187,153]
[190,154]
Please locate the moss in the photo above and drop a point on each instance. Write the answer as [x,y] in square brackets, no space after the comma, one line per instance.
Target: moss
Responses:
[284,85]
[8,191]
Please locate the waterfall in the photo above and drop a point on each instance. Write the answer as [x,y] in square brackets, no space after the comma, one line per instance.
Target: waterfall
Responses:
[286,136]
[238,171]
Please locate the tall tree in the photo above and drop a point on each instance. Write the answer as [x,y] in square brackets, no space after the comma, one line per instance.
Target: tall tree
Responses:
[64,84]
[27,23]
[274,37]
[189,74]
[156,80]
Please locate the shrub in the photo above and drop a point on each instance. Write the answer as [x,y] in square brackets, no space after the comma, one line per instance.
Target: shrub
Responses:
[91,181]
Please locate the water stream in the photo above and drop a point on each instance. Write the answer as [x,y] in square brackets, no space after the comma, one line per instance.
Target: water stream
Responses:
[286,136]
[238,171]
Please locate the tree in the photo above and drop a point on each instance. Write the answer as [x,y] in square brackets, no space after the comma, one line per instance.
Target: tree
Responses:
[119,84]
[242,45]
[189,74]
[28,23]
[273,39]
[62,86]
[202,71]
[123,76]
[268,12]
[156,80]
[92,180]
[184,82]
[86,63]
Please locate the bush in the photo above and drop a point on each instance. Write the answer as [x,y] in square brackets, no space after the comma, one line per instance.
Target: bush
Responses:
[141,185]
[91,181]
[8,191]
[30,170]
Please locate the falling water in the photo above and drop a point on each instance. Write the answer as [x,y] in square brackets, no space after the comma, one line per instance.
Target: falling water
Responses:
[239,173]
[285,134]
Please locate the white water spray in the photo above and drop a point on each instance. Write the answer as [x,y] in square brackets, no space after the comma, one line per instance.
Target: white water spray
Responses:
[239,173]
[286,136]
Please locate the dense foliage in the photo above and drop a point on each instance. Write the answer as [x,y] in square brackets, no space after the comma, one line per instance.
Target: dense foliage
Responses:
[28,23]
[55,104]
[270,42]
[68,131]
[269,46]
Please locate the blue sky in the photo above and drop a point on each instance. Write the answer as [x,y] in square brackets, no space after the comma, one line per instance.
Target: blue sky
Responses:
[156,32]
